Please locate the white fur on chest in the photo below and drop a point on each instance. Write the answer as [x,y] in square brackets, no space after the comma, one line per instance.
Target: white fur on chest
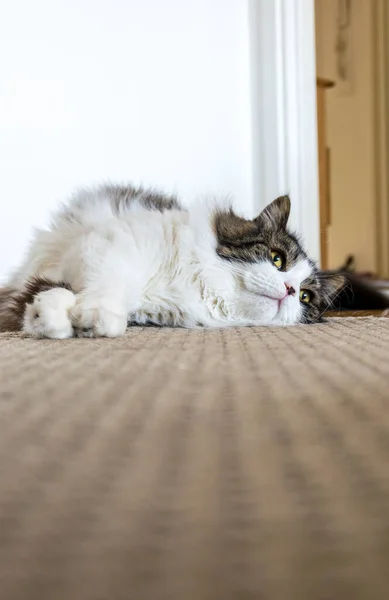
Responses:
[187,286]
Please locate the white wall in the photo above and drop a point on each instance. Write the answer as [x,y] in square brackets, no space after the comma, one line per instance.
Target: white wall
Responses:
[153,91]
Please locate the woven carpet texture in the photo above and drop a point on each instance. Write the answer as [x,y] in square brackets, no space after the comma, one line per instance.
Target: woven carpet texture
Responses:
[248,464]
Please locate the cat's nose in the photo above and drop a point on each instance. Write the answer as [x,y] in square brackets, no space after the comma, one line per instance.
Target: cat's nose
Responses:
[290,289]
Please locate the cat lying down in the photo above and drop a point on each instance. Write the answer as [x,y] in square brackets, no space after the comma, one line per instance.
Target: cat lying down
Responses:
[119,255]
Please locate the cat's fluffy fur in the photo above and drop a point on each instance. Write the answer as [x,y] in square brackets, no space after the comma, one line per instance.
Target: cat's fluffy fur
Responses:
[118,255]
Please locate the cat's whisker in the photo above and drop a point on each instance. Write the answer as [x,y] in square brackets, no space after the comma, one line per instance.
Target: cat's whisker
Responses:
[330,303]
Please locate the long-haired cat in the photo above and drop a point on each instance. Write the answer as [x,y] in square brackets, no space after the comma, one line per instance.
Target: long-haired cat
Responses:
[119,255]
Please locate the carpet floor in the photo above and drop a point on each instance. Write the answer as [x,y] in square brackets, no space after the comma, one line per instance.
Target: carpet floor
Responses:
[248,464]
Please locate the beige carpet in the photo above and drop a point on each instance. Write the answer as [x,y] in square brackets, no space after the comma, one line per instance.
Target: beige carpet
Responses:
[250,464]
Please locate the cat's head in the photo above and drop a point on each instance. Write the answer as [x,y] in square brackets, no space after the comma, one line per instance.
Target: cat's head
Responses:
[279,283]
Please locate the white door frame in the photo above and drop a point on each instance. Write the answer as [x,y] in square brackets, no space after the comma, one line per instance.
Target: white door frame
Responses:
[284,120]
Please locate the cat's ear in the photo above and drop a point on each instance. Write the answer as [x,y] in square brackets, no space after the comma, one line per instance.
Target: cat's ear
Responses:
[234,236]
[275,215]
[330,285]
[233,230]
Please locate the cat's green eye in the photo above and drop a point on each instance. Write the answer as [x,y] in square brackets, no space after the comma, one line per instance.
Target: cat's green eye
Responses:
[305,296]
[278,259]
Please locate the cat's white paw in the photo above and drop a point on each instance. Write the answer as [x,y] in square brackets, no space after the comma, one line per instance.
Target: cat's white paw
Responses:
[94,318]
[48,316]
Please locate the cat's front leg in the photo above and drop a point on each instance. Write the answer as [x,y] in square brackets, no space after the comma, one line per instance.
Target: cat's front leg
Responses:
[111,284]
[98,316]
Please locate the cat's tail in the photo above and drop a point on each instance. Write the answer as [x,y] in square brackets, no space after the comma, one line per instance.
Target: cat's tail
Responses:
[9,320]
[13,302]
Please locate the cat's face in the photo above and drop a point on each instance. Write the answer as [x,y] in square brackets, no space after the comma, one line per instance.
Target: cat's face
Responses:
[279,284]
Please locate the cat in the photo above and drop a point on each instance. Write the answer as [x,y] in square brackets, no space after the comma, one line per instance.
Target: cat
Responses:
[118,255]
